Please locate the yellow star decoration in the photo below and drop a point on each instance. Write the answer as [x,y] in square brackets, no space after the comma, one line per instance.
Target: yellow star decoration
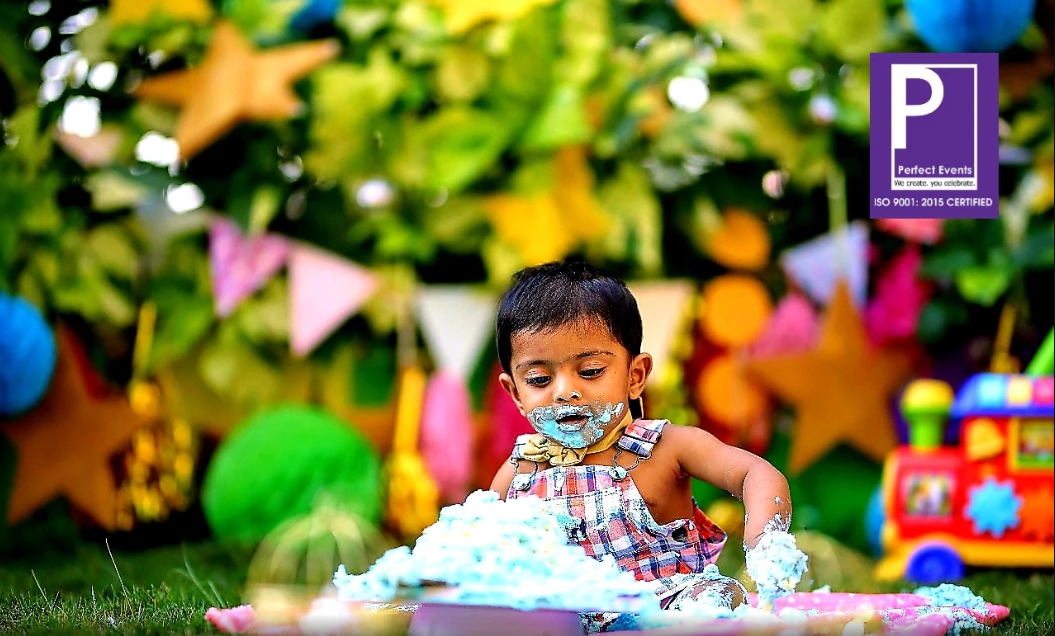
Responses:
[65,444]
[841,389]
[463,15]
[139,11]
[547,226]
[233,83]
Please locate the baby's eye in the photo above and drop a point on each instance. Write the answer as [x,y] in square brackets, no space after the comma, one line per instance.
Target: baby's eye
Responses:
[537,380]
[591,373]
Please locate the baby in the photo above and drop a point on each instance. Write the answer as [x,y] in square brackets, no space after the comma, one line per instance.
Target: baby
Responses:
[569,341]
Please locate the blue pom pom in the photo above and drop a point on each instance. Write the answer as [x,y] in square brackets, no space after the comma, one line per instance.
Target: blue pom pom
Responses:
[27,352]
[970,26]
[875,517]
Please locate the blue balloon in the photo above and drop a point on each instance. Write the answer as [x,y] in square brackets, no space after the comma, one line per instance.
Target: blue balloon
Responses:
[27,355]
[970,26]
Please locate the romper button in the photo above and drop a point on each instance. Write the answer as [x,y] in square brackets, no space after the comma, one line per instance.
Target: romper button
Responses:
[521,482]
[618,473]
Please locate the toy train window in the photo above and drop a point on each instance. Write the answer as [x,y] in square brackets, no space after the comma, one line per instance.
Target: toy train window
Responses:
[1033,444]
[928,494]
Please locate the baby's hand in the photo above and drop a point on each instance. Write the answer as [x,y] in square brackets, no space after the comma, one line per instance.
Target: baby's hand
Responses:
[776,565]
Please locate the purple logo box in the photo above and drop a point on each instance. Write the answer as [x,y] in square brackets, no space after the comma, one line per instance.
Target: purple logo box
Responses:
[934,134]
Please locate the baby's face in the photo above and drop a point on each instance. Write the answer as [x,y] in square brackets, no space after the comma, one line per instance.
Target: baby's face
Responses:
[574,382]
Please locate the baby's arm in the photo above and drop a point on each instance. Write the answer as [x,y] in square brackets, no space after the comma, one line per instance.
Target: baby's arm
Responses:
[746,476]
[503,478]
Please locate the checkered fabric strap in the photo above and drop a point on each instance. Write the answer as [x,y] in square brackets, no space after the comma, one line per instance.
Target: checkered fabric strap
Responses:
[642,436]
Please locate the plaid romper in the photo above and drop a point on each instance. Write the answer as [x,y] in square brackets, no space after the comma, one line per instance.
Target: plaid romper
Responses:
[603,511]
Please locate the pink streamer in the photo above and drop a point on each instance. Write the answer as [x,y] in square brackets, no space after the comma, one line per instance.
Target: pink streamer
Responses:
[926,231]
[900,296]
[793,328]
[446,437]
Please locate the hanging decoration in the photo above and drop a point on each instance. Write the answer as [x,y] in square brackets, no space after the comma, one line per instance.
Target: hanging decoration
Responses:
[158,468]
[234,82]
[970,26]
[281,462]
[65,444]
[241,265]
[139,11]
[324,290]
[818,265]
[735,310]
[413,498]
[841,389]
[663,306]
[792,328]
[900,295]
[27,348]
[456,321]
[925,231]
[741,241]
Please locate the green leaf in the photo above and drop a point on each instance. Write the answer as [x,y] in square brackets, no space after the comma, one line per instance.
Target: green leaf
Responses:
[462,74]
[112,247]
[982,285]
[562,121]
[789,19]
[111,191]
[183,320]
[234,371]
[1037,251]
[853,28]
[464,143]
[586,34]
[637,223]
[264,317]
[946,262]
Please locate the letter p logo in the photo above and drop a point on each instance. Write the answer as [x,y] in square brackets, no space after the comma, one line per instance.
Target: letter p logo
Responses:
[900,111]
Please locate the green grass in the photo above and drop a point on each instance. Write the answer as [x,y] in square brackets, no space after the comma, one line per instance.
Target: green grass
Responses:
[168,590]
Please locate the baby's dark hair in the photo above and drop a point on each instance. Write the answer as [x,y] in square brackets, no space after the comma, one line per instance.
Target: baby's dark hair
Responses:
[548,296]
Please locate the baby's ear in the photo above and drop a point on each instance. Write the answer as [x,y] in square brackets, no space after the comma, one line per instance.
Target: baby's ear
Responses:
[510,387]
[640,369]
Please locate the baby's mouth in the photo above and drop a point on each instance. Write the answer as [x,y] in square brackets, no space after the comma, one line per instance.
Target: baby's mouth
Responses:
[570,422]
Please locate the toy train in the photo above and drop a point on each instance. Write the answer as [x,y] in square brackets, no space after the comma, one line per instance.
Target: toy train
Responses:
[987,501]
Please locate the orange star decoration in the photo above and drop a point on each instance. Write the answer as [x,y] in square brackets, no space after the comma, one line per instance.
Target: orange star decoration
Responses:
[841,389]
[547,226]
[139,11]
[233,83]
[463,15]
[1038,515]
[65,444]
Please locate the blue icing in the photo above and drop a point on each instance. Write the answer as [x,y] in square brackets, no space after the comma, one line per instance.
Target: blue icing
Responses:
[949,595]
[501,553]
[545,420]
[994,507]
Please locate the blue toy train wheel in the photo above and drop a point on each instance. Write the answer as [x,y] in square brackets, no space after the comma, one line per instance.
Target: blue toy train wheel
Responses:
[933,563]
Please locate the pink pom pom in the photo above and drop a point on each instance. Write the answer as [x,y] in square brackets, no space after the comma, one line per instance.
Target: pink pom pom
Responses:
[446,437]
[234,620]
[792,328]
[893,314]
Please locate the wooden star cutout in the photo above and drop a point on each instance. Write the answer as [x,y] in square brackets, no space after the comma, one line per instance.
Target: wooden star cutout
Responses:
[64,445]
[139,11]
[233,83]
[841,389]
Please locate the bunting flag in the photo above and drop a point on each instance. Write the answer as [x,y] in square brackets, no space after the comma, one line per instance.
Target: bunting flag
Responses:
[456,321]
[817,265]
[324,290]
[241,265]
[793,328]
[662,305]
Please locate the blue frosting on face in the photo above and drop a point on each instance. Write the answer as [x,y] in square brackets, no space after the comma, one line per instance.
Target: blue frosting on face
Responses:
[546,420]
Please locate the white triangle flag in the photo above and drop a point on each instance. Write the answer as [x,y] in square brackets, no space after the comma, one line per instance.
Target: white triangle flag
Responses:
[456,321]
[662,306]
[818,265]
[324,290]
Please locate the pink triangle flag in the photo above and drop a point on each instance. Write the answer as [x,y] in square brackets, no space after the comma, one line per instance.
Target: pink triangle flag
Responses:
[241,265]
[793,328]
[324,290]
